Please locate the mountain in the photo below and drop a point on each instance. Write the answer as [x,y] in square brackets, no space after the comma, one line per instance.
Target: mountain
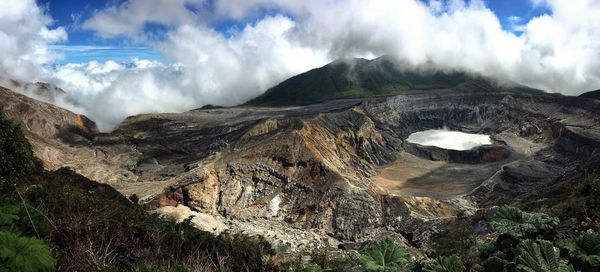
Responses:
[336,175]
[356,78]
[593,95]
[40,90]
[44,119]
[58,136]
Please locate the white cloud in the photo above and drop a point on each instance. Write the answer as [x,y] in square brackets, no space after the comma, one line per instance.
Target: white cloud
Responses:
[232,70]
[514,19]
[24,39]
[559,51]
[110,91]
[130,17]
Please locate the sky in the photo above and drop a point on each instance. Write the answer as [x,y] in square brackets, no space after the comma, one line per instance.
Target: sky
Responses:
[84,45]
[118,58]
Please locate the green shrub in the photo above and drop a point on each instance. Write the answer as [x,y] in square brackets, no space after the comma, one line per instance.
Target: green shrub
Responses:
[585,251]
[584,203]
[497,264]
[540,256]
[24,254]
[518,223]
[16,156]
[445,264]
[16,218]
[385,255]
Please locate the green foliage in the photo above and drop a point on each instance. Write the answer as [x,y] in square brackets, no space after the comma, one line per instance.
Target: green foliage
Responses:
[445,264]
[584,202]
[97,228]
[585,251]
[16,156]
[540,256]
[8,216]
[91,226]
[16,218]
[24,254]
[513,221]
[385,255]
[497,264]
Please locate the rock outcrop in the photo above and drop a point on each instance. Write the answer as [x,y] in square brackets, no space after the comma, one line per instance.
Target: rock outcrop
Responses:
[304,175]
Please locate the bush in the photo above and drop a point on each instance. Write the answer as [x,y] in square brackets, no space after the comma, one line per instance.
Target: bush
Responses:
[540,256]
[24,254]
[497,264]
[445,264]
[584,203]
[518,223]
[385,255]
[16,156]
[585,252]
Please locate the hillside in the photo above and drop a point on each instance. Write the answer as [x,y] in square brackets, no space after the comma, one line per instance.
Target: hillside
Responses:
[593,95]
[59,220]
[355,78]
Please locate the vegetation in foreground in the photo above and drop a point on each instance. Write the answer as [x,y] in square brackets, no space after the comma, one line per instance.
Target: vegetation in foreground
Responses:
[62,221]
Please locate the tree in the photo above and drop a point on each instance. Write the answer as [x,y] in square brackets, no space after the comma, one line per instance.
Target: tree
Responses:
[445,264]
[515,222]
[385,255]
[540,256]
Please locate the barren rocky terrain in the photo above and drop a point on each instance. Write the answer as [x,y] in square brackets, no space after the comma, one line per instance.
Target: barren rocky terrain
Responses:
[334,173]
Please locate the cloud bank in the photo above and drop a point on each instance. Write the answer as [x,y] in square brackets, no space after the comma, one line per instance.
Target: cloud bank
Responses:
[24,39]
[558,52]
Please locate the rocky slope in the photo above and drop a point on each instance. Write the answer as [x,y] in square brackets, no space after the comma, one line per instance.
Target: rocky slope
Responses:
[59,137]
[305,176]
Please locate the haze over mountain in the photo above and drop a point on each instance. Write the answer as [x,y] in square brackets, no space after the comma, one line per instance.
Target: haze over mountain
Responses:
[355,78]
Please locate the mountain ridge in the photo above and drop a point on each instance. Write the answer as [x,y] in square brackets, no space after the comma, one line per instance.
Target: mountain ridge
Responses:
[383,76]
[592,94]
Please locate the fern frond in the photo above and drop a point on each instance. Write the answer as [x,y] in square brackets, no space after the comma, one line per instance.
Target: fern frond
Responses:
[513,221]
[445,264]
[383,255]
[26,254]
[540,256]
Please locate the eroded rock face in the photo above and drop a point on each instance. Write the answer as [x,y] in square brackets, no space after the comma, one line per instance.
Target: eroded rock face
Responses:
[306,173]
[480,154]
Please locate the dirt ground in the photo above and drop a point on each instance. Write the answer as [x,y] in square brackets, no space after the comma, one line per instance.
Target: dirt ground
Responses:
[414,176]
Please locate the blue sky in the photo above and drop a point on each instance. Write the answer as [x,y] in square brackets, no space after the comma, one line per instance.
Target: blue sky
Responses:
[84,45]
